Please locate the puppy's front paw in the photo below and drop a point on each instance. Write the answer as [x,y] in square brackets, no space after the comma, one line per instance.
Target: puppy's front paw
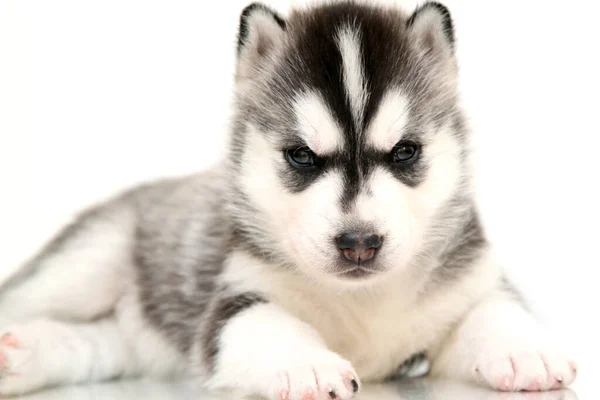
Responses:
[529,368]
[18,372]
[322,376]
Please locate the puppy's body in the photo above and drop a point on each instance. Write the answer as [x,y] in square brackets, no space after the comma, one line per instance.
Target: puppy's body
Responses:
[337,242]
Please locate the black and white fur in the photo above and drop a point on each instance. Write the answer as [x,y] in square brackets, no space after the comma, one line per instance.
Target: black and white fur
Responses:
[234,275]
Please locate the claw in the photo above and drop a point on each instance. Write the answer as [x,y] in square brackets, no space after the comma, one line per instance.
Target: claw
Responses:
[331,393]
[573,366]
[354,383]
[309,395]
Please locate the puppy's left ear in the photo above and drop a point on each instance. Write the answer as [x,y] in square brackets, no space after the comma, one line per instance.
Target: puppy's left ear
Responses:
[432,28]
[260,33]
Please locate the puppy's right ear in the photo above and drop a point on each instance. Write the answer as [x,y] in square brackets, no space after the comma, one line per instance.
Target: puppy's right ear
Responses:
[260,33]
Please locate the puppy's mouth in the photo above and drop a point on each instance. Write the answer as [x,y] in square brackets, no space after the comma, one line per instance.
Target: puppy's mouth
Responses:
[357,273]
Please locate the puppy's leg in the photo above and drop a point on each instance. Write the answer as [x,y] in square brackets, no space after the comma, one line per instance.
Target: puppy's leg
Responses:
[44,353]
[79,274]
[257,348]
[501,345]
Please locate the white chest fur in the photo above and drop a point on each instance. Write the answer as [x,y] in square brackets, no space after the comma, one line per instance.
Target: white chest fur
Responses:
[375,328]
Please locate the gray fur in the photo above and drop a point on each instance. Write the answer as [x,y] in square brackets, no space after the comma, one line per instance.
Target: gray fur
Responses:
[460,249]
[181,241]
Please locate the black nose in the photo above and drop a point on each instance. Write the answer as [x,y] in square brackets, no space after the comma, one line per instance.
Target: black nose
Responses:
[359,247]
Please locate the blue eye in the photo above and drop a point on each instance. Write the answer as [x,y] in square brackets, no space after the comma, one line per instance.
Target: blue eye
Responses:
[301,157]
[404,152]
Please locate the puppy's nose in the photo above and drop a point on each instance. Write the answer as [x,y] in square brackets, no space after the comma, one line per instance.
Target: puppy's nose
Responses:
[359,247]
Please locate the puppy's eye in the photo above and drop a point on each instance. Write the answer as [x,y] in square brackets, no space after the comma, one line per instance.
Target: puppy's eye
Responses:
[405,152]
[301,157]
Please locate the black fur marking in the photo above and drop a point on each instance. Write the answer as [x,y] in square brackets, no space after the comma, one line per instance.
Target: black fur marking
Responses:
[387,60]
[354,172]
[446,19]
[319,67]
[220,312]
[243,30]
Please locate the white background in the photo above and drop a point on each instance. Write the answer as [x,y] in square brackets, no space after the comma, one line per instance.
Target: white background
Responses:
[97,96]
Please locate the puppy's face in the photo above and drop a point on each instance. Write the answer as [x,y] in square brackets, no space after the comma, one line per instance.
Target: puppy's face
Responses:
[349,142]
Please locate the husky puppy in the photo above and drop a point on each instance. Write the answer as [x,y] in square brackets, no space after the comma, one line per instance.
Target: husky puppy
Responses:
[337,243]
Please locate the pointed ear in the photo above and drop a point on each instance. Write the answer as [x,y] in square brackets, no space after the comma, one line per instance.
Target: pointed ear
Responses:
[261,32]
[432,28]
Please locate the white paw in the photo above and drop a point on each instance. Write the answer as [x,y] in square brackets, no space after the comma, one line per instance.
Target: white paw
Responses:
[321,376]
[525,368]
[19,371]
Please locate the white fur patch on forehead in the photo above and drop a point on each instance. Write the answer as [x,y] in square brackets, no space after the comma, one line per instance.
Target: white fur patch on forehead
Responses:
[317,125]
[354,76]
[388,125]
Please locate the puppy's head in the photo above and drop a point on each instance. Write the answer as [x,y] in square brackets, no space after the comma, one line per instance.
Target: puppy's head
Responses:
[349,145]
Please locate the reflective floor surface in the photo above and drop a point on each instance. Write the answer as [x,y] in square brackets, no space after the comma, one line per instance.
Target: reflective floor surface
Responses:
[419,390]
